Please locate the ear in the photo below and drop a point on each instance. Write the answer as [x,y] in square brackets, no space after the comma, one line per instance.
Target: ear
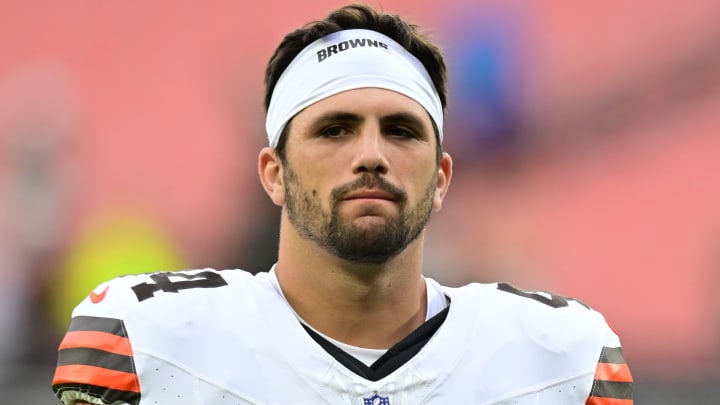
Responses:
[443,180]
[271,178]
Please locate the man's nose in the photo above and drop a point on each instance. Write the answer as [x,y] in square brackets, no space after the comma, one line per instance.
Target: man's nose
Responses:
[370,156]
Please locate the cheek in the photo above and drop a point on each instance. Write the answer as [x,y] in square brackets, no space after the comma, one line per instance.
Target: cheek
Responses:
[418,174]
[313,193]
[425,187]
[317,182]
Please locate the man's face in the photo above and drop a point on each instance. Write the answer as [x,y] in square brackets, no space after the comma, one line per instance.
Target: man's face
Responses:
[361,176]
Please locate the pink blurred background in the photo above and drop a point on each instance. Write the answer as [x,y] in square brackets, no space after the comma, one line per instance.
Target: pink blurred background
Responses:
[585,137]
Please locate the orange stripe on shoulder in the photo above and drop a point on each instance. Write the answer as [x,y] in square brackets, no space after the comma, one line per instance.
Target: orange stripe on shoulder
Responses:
[96,340]
[608,401]
[613,372]
[103,377]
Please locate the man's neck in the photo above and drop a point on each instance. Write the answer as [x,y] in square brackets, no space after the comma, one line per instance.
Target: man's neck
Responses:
[372,306]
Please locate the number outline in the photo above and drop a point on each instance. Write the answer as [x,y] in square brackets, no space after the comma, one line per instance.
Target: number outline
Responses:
[555,300]
[161,282]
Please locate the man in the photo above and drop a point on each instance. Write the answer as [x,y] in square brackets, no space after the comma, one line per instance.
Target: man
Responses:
[355,107]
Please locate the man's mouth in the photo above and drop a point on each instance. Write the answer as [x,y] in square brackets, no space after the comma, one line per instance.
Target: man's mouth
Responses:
[369,194]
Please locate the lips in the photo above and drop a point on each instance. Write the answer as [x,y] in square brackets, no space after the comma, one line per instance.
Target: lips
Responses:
[370,194]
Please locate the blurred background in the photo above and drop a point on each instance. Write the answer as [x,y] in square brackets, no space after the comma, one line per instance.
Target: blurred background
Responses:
[585,139]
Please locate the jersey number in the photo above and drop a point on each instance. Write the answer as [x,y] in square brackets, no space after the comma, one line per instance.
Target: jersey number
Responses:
[555,301]
[162,282]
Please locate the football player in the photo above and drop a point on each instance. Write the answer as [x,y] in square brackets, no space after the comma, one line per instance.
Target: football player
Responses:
[355,107]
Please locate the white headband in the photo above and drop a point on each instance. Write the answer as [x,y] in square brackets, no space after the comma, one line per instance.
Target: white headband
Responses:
[347,60]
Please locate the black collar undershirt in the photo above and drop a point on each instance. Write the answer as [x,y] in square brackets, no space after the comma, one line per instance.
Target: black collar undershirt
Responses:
[394,358]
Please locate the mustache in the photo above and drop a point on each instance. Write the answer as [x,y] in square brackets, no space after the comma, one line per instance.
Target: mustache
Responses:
[373,181]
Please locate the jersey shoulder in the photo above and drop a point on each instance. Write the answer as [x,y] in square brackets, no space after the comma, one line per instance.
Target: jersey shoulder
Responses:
[538,337]
[537,321]
[153,294]
[98,356]
[510,302]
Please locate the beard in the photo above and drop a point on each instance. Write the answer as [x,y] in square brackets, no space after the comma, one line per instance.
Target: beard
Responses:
[373,244]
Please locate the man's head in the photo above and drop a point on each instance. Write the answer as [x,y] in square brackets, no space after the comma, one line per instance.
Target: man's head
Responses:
[355,152]
[357,17]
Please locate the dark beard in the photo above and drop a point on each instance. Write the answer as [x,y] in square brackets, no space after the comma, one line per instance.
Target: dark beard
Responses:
[374,245]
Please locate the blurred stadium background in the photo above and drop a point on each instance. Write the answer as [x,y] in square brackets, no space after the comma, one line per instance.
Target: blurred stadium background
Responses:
[585,137]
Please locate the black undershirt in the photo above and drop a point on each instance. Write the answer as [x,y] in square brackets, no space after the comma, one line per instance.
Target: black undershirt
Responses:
[394,358]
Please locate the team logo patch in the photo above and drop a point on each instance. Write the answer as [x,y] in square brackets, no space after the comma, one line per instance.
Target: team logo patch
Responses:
[376,400]
[96,298]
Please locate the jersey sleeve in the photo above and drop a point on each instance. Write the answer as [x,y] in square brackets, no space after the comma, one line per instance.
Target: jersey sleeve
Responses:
[95,357]
[612,383]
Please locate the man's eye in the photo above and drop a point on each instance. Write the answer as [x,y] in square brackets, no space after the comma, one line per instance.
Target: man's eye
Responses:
[335,131]
[402,132]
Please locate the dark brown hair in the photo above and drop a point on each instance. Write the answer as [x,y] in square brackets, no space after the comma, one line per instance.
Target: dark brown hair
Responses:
[356,16]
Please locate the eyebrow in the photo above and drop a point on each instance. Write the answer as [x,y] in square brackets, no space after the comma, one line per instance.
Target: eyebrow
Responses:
[338,116]
[396,118]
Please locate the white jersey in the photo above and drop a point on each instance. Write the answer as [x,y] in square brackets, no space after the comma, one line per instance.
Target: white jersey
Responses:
[229,338]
